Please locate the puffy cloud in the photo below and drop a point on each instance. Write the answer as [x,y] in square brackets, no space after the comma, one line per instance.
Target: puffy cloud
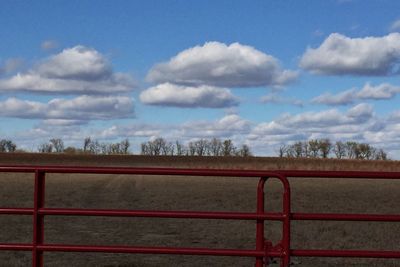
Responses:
[368,92]
[218,64]
[32,82]
[10,65]
[17,108]
[395,27]
[168,94]
[133,130]
[382,91]
[314,119]
[77,70]
[275,99]
[62,122]
[353,124]
[361,112]
[341,55]
[48,45]
[82,108]
[327,118]
[343,98]
[227,126]
[395,116]
[77,63]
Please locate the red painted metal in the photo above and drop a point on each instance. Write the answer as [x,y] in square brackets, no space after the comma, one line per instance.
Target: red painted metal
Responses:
[38,219]
[264,249]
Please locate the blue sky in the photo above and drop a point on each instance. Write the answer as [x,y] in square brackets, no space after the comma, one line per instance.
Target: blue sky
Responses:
[264,73]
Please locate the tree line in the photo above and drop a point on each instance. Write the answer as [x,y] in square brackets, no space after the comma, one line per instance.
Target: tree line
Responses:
[324,148]
[201,147]
[90,146]
[314,148]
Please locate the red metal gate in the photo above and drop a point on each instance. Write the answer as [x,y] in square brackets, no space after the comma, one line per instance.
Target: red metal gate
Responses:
[264,249]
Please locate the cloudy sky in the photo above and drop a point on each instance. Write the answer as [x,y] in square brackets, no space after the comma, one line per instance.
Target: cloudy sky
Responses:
[263,73]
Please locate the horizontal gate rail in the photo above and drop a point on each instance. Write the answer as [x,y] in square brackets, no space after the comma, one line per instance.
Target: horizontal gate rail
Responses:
[264,249]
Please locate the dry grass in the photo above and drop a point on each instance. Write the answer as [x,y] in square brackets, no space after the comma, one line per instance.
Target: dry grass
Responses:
[199,193]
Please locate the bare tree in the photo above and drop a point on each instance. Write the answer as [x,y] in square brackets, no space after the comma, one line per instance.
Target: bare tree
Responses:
[45,148]
[298,149]
[325,147]
[215,147]
[125,146]
[180,149]
[201,147]
[58,145]
[144,149]
[381,155]
[282,151]
[339,149]
[167,148]
[306,149]
[351,149]
[7,146]
[157,145]
[313,146]
[86,144]
[94,147]
[244,151]
[191,149]
[154,148]
[365,151]
[228,148]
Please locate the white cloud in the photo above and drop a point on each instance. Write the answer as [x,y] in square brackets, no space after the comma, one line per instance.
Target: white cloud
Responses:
[76,63]
[382,91]
[16,108]
[395,27]
[227,126]
[343,98]
[361,112]
[327,118]
[62,122]
[218,64]
[368,92]
[129,131]
[314,119]
[32,82]
[10,65]
[353,124]
[77,70]
[275,99]
[79,109]
[395,116]
[168,94]
[341,55]
[48,45]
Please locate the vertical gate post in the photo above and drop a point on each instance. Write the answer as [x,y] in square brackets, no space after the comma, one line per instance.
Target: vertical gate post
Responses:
[285,243]
[38,220]
[260,222]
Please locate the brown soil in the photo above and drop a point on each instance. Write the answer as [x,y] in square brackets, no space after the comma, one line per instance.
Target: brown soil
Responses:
[196,193]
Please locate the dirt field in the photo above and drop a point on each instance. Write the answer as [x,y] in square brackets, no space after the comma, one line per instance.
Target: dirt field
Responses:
[198,193]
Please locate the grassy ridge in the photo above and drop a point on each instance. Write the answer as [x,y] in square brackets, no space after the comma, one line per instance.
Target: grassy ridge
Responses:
[261,163]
